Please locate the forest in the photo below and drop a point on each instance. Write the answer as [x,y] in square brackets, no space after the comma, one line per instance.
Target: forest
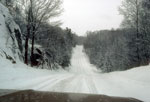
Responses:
[42,43]
[126,47]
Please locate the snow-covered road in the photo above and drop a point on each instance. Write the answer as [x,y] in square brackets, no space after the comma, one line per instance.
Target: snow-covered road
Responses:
[78,79]
[81,78]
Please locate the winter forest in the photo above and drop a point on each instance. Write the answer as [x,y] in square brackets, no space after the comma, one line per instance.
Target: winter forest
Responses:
[126,47]
[54,45]
[41,50]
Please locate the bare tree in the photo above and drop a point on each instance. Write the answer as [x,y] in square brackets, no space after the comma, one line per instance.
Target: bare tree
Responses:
[36,12]
[130,9]
[136,16]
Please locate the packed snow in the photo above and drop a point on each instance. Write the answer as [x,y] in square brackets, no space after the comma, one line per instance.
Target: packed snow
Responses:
[81,78]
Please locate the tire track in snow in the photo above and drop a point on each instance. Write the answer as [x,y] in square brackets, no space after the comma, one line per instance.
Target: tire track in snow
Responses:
[36,83]
[62,85]
[78,85]
[49,84]
[90,83]
[79,79]
[43,82]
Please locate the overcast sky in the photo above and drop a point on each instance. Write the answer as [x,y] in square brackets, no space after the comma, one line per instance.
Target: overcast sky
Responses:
[90,15]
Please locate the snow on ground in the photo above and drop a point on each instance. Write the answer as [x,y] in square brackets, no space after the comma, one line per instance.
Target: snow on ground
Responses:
[82,78]
[80,63]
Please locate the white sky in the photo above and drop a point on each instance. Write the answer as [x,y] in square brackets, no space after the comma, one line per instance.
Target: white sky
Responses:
[90,15]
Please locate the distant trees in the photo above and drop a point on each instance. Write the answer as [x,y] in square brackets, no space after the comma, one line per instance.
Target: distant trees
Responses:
[108,50]
[79,39]
[36,12]
[57,45]
[127,47]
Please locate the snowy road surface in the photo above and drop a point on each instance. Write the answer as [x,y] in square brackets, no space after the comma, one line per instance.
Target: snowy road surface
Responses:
[81,78]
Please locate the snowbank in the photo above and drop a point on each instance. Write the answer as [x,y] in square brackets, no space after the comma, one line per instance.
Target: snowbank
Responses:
[131,83]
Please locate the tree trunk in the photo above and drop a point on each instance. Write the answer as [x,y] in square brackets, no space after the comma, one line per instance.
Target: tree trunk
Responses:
[137,31]
[32,48]
[137,19]
[26,45]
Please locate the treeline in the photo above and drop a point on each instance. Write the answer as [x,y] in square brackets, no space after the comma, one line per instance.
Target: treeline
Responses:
[43,43]
[57,44]
[127,47]
[79,39]
[109,49]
